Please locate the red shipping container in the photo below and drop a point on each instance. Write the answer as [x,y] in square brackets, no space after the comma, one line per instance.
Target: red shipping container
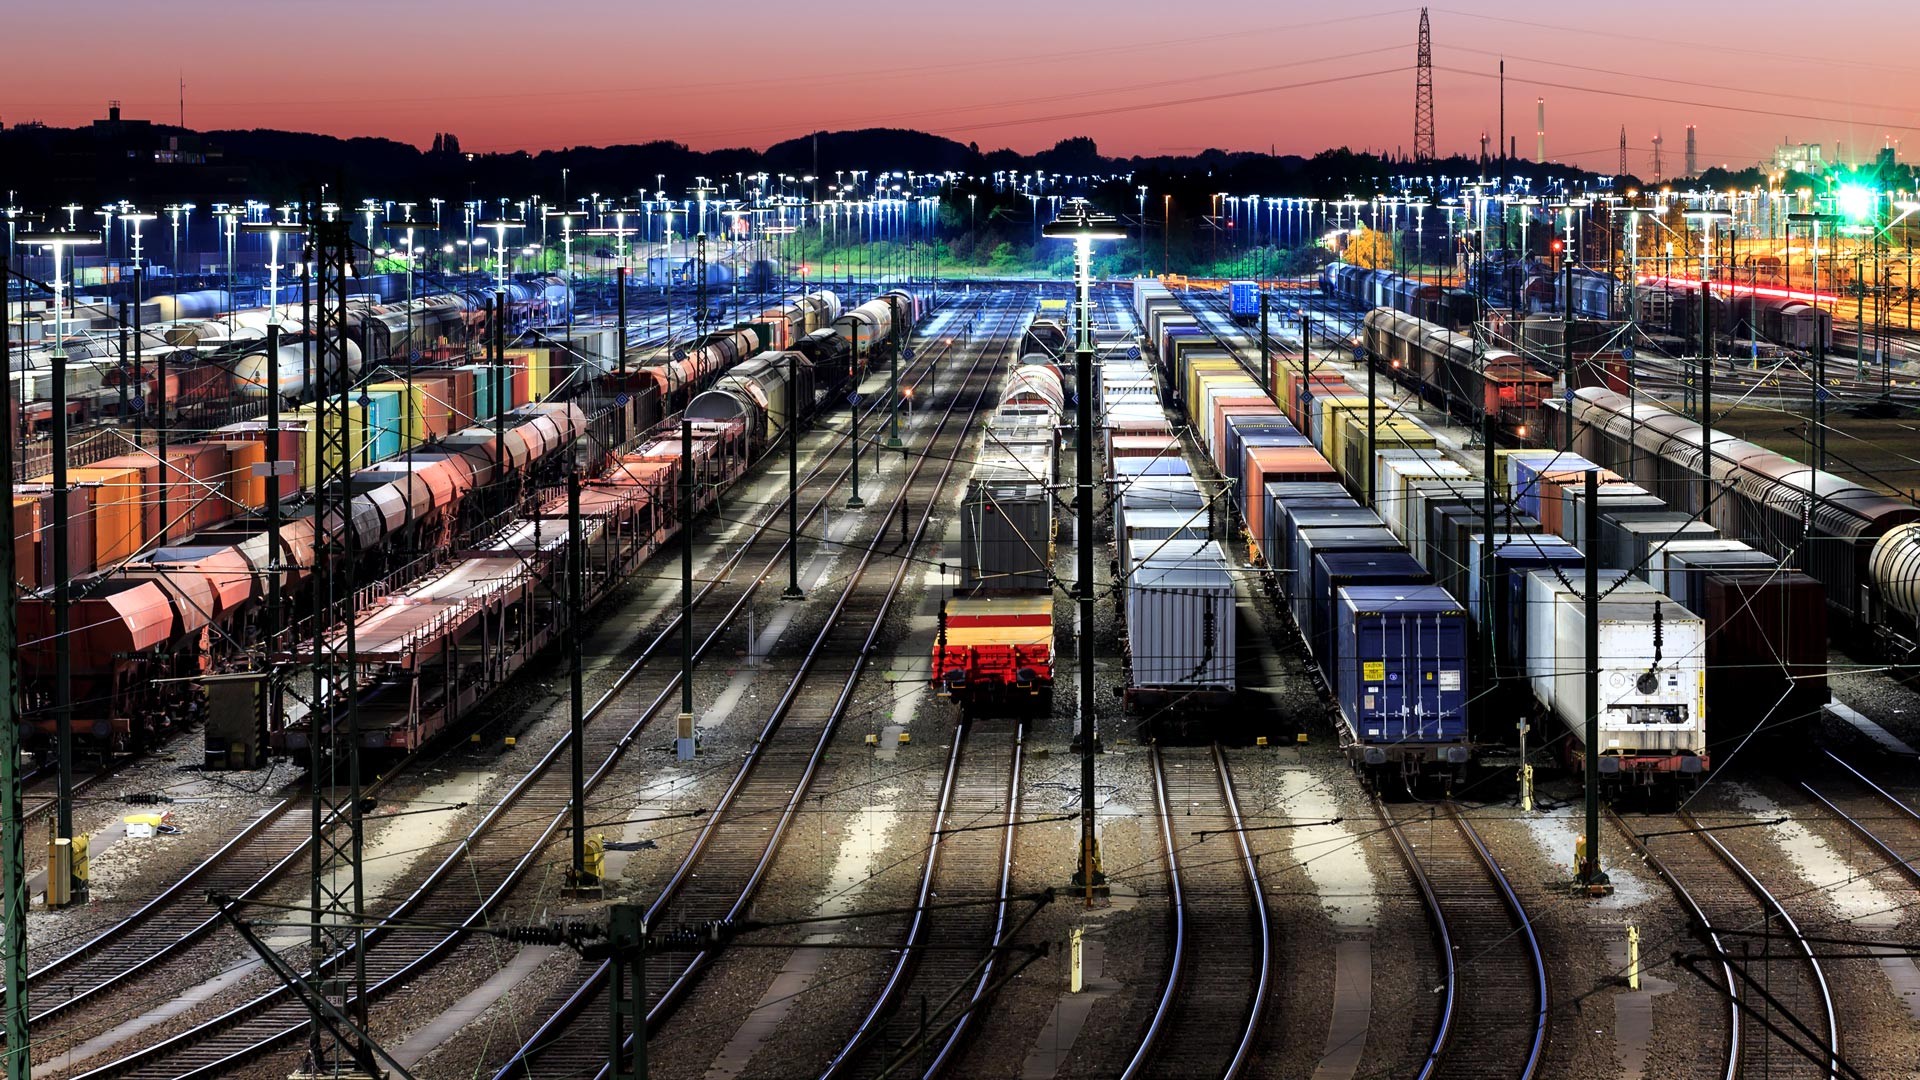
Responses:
[206,465]
[462,383]
[26,537]
[80,543]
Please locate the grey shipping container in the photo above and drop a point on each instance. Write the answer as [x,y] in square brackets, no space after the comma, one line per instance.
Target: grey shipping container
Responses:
[1006,537]
[1180,615]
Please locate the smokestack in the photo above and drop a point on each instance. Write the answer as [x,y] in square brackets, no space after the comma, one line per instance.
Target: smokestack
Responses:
[1540,133]
[1693,163]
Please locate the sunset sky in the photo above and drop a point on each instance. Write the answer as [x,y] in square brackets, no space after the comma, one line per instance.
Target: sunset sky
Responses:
[1137,77]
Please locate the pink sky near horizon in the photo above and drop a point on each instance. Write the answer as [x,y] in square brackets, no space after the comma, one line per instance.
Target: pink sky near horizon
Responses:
[1245,76]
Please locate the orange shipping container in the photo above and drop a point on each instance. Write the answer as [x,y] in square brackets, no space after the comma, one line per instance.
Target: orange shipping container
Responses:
[118,521]
[1275,464]
[247,485]
[436,394]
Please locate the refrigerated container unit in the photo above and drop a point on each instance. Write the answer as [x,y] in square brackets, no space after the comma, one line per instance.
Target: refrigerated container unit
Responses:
[1653,704]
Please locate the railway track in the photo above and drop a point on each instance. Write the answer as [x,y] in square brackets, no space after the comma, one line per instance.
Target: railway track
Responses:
[731,855]
[1729,904]
[950,957]
[507,840]
[1856,799]
[1211,1006]
[1493,1012]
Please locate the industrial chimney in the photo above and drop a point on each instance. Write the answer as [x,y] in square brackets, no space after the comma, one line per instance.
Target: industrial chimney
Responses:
[1693,168]
[1540,134]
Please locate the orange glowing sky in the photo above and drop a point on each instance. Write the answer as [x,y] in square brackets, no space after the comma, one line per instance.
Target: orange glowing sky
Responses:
[1139,78]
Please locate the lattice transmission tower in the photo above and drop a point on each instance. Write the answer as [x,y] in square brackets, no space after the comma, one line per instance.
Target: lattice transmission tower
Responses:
[1423,95]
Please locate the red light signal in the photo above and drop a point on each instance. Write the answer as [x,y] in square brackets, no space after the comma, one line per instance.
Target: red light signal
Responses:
[1558,247]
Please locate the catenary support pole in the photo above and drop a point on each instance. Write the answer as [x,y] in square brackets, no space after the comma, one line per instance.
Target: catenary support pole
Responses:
[576,714]
[13,845]
[855,502]
[1373,425]
[63,589]
[1089,874]
[1591,876]
[793,477]
[683,733]
[621,347]
[275,615]
[1266,348]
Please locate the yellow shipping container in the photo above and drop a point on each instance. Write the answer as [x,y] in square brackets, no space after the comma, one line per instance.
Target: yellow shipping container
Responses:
[537,364]
[1200,369]
[306,418]
[1326,431]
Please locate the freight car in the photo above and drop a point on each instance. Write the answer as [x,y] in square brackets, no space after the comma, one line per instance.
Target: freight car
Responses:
[993,651]
[1753,313]
[1324,553]
[682,370]
[499,596]
[1455,309]
[1459,373]
[765,395]
[1825,524]
[178,598]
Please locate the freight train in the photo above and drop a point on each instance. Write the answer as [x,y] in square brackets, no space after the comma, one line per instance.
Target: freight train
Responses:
[430,651]
[1690,618]
[426,464]
[681,370]
[1755,313]
[201,358]
[182,598]
[994,648]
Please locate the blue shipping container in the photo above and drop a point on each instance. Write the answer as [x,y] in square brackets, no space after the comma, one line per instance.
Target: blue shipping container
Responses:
[1402,669]
[1336,570]
[1243,299]
[383,424]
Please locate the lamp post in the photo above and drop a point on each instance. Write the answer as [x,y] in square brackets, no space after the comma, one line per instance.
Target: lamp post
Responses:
[565,217]
[1083,226]
[619,232]
[500,253]
[59,244]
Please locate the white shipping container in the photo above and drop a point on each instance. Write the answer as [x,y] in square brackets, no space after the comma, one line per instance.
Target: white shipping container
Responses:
[1180,615]
[1390,487]
[1646,705]
[1658,566]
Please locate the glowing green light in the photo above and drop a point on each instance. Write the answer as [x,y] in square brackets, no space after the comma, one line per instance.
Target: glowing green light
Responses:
[1855,201]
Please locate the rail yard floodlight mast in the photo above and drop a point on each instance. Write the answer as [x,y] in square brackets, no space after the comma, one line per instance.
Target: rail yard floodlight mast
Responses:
[333,726]
[1083,226]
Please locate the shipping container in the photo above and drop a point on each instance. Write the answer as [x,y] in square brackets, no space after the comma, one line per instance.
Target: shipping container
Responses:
[1401,677]
[1180,616]
[1332,571]
[1006,537]
[1653,714]
[1243,300]
[1269,539]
